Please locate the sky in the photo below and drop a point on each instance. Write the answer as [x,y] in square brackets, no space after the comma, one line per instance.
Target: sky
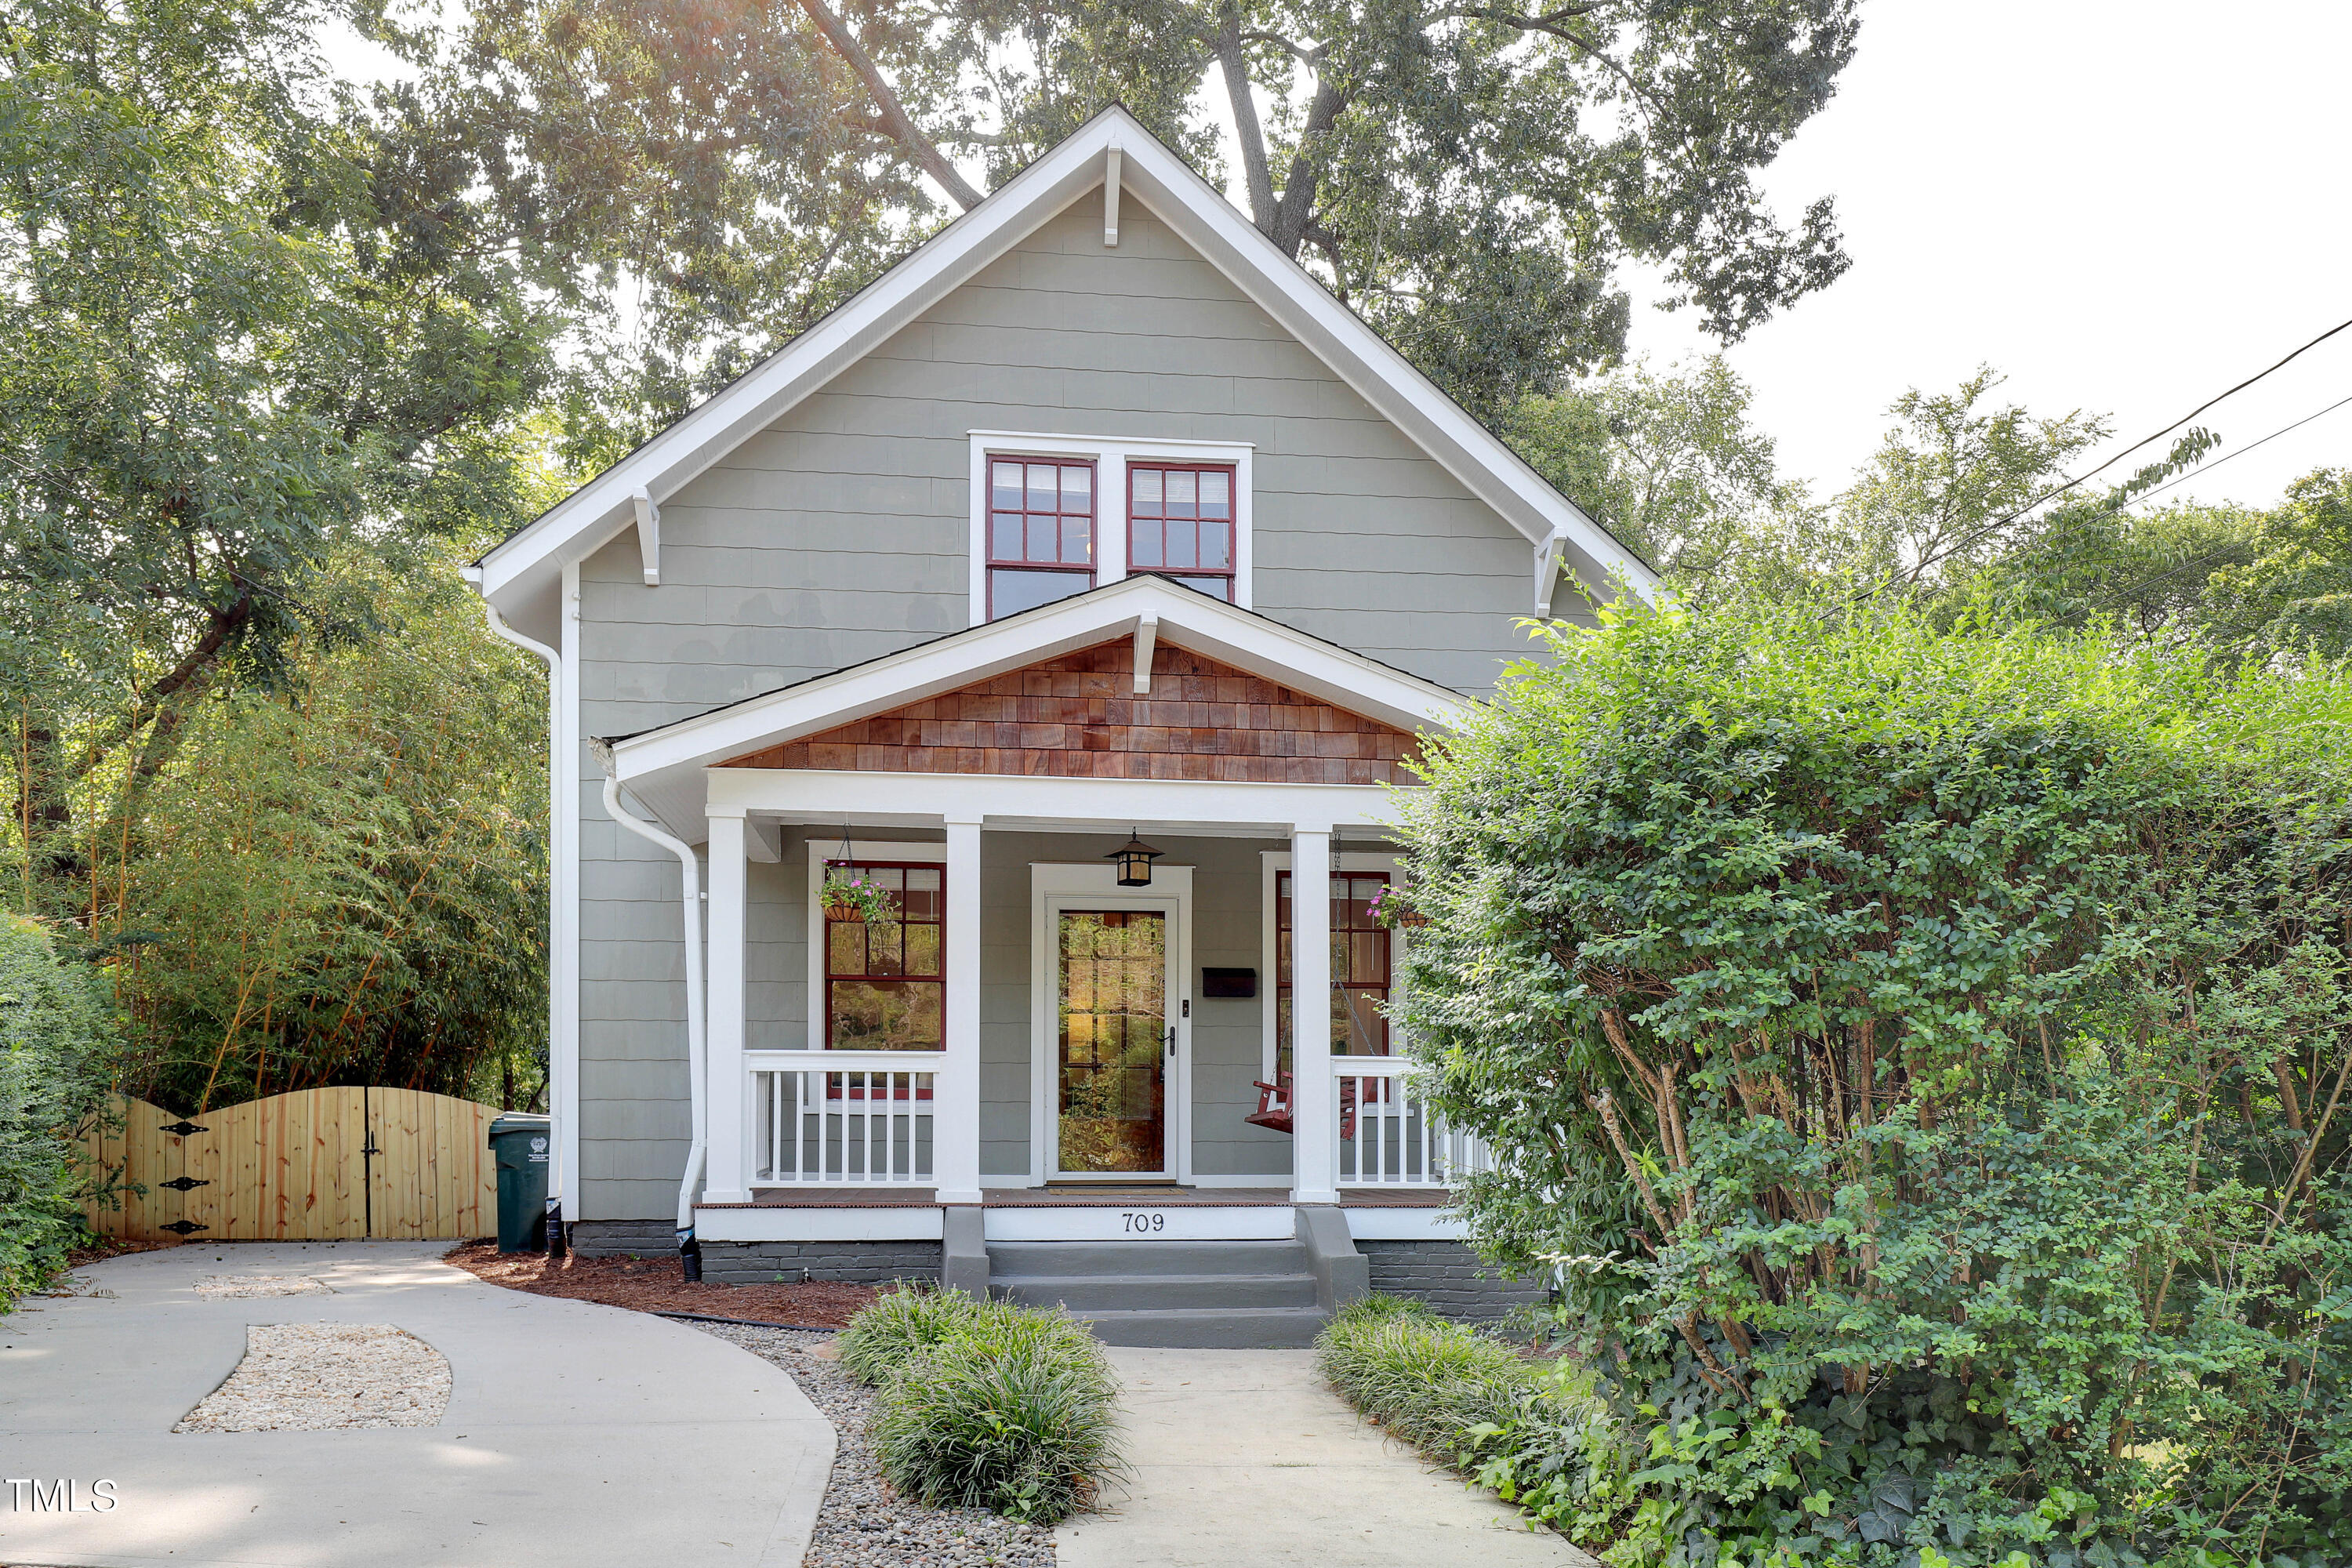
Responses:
[2126,207]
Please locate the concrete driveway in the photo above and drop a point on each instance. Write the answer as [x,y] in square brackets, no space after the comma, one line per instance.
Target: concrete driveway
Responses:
[575,1435]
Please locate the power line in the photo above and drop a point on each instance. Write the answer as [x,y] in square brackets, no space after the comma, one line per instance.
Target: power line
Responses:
[2089,474]
[2208,467]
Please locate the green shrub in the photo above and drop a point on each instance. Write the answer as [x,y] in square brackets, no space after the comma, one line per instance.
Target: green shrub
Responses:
[1923,1053]
[989,1406]
[58,1047]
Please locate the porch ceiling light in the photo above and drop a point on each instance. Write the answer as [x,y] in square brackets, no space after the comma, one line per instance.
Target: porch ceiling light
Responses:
[1135,857]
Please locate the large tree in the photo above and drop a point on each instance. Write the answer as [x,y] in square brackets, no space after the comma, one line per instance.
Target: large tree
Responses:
[230,340]
[1472,178]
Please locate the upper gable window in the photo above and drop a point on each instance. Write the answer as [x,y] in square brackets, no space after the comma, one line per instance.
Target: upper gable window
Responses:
[1053,515]
[1179,523]
[1041,532]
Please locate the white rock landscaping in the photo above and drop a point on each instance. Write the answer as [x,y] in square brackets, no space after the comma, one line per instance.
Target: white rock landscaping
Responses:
[313,1377]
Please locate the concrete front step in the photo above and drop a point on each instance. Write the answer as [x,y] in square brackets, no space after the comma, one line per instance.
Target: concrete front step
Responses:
[1131,1292]
[1210,1327]
[1191,1294]
[1075,1259]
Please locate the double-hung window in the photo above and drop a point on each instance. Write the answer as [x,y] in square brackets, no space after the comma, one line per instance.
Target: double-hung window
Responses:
[1055,515]
[1357,1015]
[1041,532]
[1179,523]
[885,984]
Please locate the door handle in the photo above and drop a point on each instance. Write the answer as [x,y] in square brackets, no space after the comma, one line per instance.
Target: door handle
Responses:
[1171,1042]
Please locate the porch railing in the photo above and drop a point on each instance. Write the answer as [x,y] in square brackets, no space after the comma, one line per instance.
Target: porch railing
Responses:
[1388,1135]
[844,1117]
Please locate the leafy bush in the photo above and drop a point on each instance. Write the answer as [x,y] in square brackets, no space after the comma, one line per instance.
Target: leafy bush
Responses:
[985,1405]
[1924,1055]
[57,1046]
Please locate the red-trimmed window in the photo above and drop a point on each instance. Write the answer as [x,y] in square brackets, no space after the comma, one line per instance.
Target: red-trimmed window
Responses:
[1359,968]
[1179,523]
[1041,532]
[886,986]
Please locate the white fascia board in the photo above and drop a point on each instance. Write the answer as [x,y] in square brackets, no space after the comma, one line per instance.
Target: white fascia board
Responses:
[699,439]
[1198,212]
[1190,620]
[1045,803]
[1405,1224]
[914,1221]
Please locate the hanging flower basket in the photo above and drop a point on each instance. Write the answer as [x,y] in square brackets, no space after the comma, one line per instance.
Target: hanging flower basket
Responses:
[1391,912]
[853,899]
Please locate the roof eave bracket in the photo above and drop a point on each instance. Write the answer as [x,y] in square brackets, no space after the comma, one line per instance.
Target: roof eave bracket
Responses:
[1110,196]
[1549,558]
[1147,639]
[648,536]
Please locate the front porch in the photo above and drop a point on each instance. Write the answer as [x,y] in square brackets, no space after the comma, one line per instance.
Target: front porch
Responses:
[1067,1073]
[1028,1049]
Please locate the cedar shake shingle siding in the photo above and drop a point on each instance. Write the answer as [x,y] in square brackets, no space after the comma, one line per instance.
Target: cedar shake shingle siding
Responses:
[1079,716]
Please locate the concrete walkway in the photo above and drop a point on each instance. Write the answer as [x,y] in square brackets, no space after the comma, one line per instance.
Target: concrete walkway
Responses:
[576,1434]
[1247,1459]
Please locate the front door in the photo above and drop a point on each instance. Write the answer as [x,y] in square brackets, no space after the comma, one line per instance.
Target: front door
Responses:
[1117,1042]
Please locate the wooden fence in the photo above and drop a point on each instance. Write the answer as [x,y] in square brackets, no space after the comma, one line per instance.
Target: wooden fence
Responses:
[319,1164]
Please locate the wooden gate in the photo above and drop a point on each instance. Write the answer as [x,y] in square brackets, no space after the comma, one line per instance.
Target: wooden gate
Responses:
[319,1164]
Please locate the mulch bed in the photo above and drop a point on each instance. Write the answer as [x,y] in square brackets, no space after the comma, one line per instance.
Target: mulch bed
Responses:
[107,1246]
[651,1285]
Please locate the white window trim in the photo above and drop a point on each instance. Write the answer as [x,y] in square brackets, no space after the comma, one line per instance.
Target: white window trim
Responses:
[819,852]
[1111,454]
[1051,887]
[1269,989]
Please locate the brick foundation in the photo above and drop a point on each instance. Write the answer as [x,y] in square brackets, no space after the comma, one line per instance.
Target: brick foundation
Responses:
[1450,1278]
[845,1262]
[759,1262]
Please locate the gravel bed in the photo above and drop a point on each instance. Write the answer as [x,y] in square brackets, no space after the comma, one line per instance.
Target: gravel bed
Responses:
[239,1287]
[312,1377]
[862,1524]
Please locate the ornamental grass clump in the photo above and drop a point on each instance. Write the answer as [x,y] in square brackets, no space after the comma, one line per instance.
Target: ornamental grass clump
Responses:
[985,1404]
[1925,1053]
[1428,1381]
[901,1324]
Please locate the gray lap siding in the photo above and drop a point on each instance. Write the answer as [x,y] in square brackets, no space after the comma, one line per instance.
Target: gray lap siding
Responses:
[841,535]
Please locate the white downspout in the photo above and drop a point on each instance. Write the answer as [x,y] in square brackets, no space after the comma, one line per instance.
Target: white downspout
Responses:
[698,1059]
[554,661]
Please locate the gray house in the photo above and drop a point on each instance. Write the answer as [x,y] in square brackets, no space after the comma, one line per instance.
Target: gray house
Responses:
[973,727]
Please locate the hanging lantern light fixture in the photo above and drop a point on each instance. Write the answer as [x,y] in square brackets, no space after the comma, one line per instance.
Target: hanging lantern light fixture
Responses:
[1134,860]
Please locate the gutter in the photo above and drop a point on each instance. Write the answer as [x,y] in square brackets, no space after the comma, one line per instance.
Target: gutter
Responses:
[689,1249]
[554,661]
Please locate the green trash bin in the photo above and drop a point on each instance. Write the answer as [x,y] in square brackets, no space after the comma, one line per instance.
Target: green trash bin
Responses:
[519,1141]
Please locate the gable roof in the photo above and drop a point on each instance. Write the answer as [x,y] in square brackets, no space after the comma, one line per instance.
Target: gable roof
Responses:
[664,767]
[521,575]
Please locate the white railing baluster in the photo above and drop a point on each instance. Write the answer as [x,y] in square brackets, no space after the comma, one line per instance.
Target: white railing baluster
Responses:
[846,1117]
[1399,1139]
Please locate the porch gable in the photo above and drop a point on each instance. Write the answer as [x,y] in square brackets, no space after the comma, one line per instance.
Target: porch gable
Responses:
[1077,715]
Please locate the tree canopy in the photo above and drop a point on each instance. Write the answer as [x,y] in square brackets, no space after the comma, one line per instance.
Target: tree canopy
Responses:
[1472,180]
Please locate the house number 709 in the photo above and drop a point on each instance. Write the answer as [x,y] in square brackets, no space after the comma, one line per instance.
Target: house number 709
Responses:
[1136,1222]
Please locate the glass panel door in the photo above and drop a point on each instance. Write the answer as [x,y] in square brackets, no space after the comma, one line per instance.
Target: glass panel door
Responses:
[1113,967]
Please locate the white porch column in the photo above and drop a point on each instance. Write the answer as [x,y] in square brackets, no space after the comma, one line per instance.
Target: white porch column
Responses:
[955,1120]
[1314,1112]
[728,1180]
